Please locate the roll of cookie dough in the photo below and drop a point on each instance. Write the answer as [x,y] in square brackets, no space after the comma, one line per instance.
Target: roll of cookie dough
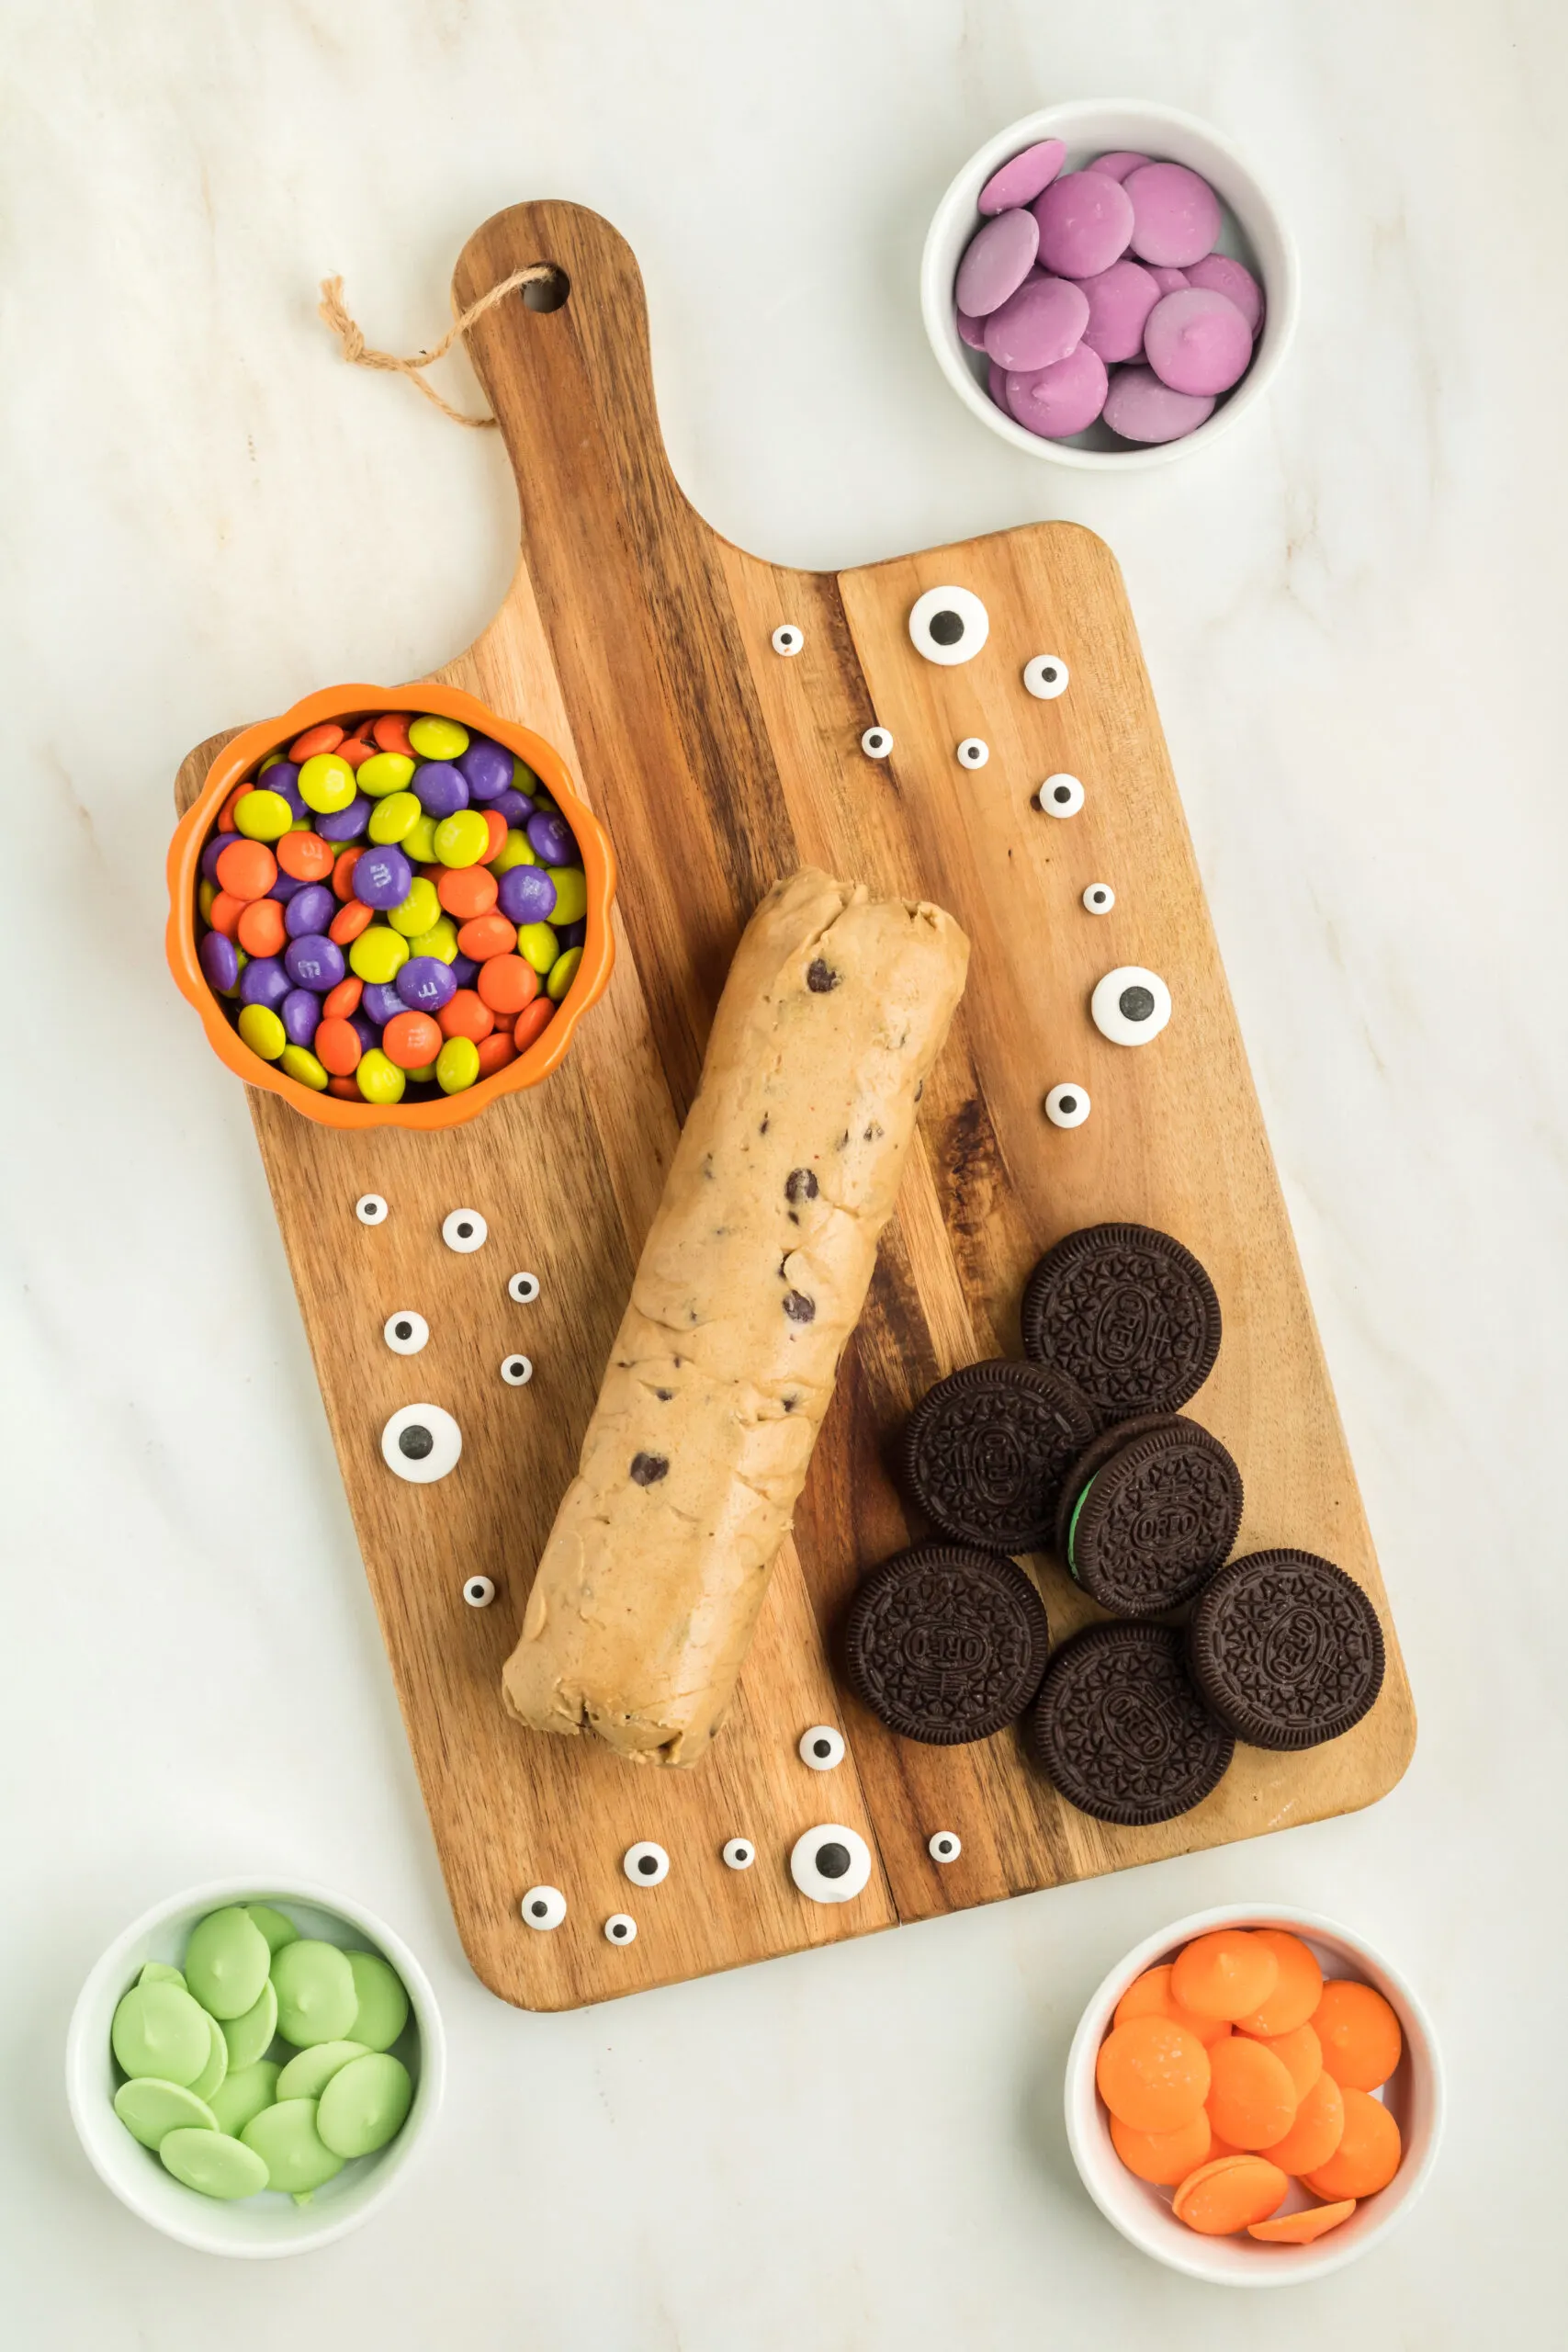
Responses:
[751,1280]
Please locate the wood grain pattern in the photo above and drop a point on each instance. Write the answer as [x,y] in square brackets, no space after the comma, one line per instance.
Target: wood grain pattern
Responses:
[638,641]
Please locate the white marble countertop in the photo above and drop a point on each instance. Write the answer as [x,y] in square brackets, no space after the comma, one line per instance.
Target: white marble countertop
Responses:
[1354,614]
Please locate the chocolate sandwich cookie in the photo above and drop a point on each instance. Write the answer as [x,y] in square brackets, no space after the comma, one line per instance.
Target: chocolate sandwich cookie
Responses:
[1127,1314]
[1120,1730]
[1155,1519]
[1286,1649]
[946,1644]
[987,1449]
[1093,1458]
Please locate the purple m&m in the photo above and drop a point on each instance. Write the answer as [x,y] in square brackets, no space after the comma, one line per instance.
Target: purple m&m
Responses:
[1021,180]
[526,895]
[1085,223]
[1039,324]
[486,768]
[424,984]
[314,962]
[381,1001]
[464,971]
[1197,342]
[1062,399]
[310,909]
[514,808]
[382,876]
[550,838]
[998,259]
[300,1013]
[210,855]
[1120,300]
[264,981]
[219,957]
[1175,215]
[440,788]
[284,776]
[345,824]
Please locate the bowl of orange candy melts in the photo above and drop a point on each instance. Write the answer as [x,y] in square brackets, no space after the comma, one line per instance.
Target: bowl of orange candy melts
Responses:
[1254,2097]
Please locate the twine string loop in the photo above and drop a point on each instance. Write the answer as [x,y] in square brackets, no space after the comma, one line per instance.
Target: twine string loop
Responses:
[359,354]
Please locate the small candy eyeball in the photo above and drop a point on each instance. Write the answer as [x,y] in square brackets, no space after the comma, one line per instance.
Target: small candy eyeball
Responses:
[1067,1106]
[822,1747]
[405,1333]
[1060,796]
[543,1908]
[1099,899]
[948,626]
[422,1443]
[516,1370]
[946,1846]
[1129,1005]
[523,1288]
[830,1863]
[877,742]
[787,640]
[1045,676]
[972,752]
[478,1592]
[738,1854]
[645,1863]
[464,1230]
[370,1209]
[620,1928]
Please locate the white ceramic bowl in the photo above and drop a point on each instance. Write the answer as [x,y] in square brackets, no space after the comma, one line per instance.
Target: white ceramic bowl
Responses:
[1143,2213]
[268,2224]
[1254,234]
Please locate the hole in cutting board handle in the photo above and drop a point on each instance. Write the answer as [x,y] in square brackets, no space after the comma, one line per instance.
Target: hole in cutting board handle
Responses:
[548,293]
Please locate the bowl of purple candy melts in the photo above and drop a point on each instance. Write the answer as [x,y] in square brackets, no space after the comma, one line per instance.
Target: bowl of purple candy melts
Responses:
[1108,284]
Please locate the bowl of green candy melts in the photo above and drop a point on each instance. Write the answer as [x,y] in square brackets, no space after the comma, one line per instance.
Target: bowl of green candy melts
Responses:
[252,2071]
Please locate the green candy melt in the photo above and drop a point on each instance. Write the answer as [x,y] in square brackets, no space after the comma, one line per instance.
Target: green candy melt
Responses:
[286,2139]
[363,2105]
[243,2093]
[250,2037]
[159,2030]
[227,1961]
[213,2163]
[278,1931]
[383,2009]
[316,1995]
[308,2076]
[217,2065]
[158,1971]
[149,2110]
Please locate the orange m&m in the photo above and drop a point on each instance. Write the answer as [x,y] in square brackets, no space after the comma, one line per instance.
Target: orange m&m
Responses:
[260,930]
[532,1022]
[412,1040]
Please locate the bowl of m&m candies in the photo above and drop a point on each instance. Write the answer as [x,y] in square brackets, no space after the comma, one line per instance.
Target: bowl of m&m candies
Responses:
[390,908]
[1108,285]
[1254,2097]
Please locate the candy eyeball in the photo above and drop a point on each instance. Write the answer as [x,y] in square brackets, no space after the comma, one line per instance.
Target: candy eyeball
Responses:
[787,640]
[422,1443]
[821,1747]
[523,1288]
[948,626]
[405,1333]
[1045,676]
[830,1863]
[516,1370]
[738,1854]
[543,1908]
[877,742]
[645,1863]
[1060,796]
[478,1592]
[620,1928]
[1066,1106]
[464,1230]
[972,752]
[946,1846]
[370,1209]
[1129,1005]
[1099,899]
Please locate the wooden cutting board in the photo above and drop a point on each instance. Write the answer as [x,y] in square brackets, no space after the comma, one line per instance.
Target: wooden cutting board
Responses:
[638,641]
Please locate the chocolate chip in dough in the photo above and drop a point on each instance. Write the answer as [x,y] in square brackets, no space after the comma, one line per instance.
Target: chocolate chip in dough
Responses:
[799,1308]
[800,1184]
[820,978]
[648,1468]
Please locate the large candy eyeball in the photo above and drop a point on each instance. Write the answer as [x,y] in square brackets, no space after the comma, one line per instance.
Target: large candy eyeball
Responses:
[1066,1106]
[1099,899]
[822,1747]
[405,1333]
[620,1928]
[877,742]
[787,640]
[1045,676]
[421,1442]
[370,1209]
[1060,796]
[478,1592]
[1129,1005]
[543,1908]
[645,1863]
[464,1230]
[516,1370]
[523,1288]
[946,1846]
[830,1863]
[972,752]
[948,626]
[738,1854]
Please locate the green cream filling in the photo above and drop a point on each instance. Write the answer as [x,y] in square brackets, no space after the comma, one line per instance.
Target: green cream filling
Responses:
[1072,1526]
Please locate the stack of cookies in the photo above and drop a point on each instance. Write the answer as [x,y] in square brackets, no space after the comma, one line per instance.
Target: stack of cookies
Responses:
[1083,1450]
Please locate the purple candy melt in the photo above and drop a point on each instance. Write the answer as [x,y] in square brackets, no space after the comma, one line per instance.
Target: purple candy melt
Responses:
[1219,274]
[381,877]
[1175,215]
[440,788]
[380,1001]
[486,767]
[1039,324]
[220,961]
[527,894]
[314,962]
[973,331]
[346,824]
[998,259]
[1021,180]
[1057,400]
[1169,281]
[300,1013]
[264,981]
[514,808]
[551,839]
[425,984]
[1086,222]
[1118,164]
[1120,300]
[1140,408]
[1197,342]
[311,909]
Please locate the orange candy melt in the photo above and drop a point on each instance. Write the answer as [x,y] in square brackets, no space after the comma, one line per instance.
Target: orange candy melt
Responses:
[1316,2134]
[1226,1975]
[1359,2033]
[306,856]
[1153,2074]
[1163,2157]
[1252,2100]
[1296,1991]
[1150,1995]
[1368,2155]
[1299,2053]
[1299,2229]
[1229,2194]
